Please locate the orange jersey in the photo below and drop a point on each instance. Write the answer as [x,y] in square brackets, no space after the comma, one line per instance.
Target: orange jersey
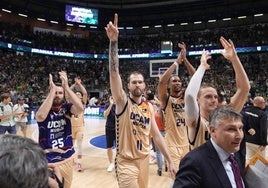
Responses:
[133,130]
[176,132]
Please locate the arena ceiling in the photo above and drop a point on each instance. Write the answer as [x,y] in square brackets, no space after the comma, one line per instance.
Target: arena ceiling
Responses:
[141,12]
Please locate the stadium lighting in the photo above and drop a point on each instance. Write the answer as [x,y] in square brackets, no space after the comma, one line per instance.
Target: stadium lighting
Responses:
[158,26]
[129,27]
[93,27]
[23,15]
[5,10]
[242,17]
[226,19]
[145,27]
[210,21]
[69,24]
[55,22]
[256,15]
[41,19]
[81,26]
[121,28]
[170,25]
[198,22]
[184,23]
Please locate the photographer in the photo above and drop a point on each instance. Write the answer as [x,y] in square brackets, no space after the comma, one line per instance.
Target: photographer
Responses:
[23,164]
[21,119]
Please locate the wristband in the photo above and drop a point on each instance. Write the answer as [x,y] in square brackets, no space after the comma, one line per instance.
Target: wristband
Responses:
[175,63]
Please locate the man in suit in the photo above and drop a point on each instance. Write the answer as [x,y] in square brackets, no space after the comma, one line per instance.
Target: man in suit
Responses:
[208,165]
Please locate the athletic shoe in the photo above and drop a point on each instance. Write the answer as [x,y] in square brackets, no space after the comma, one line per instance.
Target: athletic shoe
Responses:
[159,172]
[110,168]
[79,167]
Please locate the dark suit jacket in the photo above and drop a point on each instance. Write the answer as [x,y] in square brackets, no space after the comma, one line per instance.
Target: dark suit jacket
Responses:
[202,167]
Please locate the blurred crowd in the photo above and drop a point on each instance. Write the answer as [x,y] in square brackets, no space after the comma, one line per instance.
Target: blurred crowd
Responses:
[27,74]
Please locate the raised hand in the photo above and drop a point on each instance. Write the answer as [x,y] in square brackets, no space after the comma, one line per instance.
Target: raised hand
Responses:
[77,81]
[112,29]
[229,49]
[64,78]
[51,83]
[204,58]
[182,54]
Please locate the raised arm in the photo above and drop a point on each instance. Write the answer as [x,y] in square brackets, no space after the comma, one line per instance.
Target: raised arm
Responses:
[77,106]
[191,105]
[78,82]
[44,109]
[164,79]
[160,142]
[118,93]
[185,61]
[238,100]
[82,88]
[108,109]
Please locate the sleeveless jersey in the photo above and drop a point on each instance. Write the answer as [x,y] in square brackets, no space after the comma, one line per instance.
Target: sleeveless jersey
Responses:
[110,120]
[201,135]
[55,135]
[174,114]
[78,120]
[133,126]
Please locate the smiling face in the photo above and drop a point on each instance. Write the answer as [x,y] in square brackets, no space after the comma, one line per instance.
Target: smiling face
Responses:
[207,99]
[226,130]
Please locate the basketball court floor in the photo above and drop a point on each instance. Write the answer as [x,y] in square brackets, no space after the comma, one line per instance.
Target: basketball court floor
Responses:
[95,162]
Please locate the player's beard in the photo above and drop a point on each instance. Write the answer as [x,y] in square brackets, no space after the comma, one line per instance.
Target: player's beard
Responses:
[137,92]
[57,102]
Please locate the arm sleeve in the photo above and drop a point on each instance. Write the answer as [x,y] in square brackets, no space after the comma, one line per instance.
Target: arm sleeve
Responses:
[191,106]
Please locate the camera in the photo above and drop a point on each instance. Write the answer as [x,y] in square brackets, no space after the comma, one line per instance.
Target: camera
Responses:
[51,174]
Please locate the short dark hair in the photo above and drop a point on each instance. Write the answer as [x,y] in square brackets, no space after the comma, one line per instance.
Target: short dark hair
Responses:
[4,96]
[133,73]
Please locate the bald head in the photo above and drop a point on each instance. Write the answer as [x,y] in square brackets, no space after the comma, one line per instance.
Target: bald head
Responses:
[259,102]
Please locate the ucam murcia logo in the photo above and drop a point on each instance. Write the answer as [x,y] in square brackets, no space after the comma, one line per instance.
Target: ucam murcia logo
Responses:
[144,110]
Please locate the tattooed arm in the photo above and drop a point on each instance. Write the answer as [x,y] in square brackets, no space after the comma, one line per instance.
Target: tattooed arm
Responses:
[118,93]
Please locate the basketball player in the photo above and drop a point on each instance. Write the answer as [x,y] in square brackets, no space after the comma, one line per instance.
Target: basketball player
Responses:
[109,114]
[135,123]
[78,121]
[171,95]
[201,100]
[55,126]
